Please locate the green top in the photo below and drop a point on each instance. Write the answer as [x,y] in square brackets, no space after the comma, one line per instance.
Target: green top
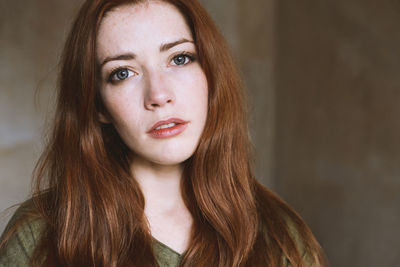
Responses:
[21,245]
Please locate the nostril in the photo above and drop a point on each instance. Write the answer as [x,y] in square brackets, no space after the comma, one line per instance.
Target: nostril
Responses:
[156,100]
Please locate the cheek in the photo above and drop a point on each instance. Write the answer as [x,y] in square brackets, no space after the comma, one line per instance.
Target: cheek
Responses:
[202,92]
[199,88]
[120,108]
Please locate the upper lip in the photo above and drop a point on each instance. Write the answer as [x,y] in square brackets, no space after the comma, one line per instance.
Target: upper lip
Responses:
[171,120]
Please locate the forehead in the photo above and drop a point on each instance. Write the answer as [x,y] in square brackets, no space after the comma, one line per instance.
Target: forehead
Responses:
[141,26]
[141,10]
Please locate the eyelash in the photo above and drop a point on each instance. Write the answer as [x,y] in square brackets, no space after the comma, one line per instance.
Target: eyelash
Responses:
[192,57]
[114,72]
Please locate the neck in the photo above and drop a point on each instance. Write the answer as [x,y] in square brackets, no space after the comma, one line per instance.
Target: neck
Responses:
[168,217]
[160,184]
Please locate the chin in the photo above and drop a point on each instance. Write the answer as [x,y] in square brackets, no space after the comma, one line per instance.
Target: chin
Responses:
[169,152]
[172,153]
[171,159]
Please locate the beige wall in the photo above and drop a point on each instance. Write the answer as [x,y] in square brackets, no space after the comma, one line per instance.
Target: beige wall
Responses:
[31,35]
[324,86]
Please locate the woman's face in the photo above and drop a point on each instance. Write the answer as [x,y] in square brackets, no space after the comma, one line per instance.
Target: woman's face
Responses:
[152,85]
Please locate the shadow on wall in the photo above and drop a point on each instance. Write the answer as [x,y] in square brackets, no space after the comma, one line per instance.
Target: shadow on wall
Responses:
[337,148]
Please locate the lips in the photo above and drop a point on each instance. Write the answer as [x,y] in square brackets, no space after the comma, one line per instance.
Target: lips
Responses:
[168,128]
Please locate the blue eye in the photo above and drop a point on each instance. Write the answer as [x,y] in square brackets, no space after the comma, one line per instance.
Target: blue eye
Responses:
[183,59]
[120,74]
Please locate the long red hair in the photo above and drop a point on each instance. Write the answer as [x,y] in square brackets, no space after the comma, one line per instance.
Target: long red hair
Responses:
[94,209]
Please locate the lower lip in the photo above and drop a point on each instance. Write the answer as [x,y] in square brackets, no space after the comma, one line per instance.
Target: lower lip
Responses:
[168,132]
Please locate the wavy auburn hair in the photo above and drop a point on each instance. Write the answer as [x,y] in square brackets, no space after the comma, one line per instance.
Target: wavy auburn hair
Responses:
[94,209]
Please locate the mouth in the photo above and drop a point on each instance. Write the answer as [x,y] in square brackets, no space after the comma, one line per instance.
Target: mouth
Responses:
[168,128]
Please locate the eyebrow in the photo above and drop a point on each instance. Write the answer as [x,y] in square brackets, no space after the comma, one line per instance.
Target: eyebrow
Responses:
[130,56]
[167,46]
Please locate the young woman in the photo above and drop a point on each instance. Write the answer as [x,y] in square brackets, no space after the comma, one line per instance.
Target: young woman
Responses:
[149,163]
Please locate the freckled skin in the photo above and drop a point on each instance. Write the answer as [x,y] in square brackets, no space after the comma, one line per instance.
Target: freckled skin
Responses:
[157,88]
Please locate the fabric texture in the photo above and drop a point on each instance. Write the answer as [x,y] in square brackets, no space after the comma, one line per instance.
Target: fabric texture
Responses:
[21,245]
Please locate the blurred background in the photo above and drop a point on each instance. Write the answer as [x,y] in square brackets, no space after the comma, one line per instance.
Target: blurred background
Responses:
[324,87]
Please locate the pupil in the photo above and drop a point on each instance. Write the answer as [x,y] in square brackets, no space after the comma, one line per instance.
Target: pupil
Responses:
[123,74]
[179,60]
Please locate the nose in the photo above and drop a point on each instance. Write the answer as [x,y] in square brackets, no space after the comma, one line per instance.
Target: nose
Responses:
[158,92]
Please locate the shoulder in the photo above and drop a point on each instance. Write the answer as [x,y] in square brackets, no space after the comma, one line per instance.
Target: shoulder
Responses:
[296,243]
[20,237]
[307,257]
[285,229]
